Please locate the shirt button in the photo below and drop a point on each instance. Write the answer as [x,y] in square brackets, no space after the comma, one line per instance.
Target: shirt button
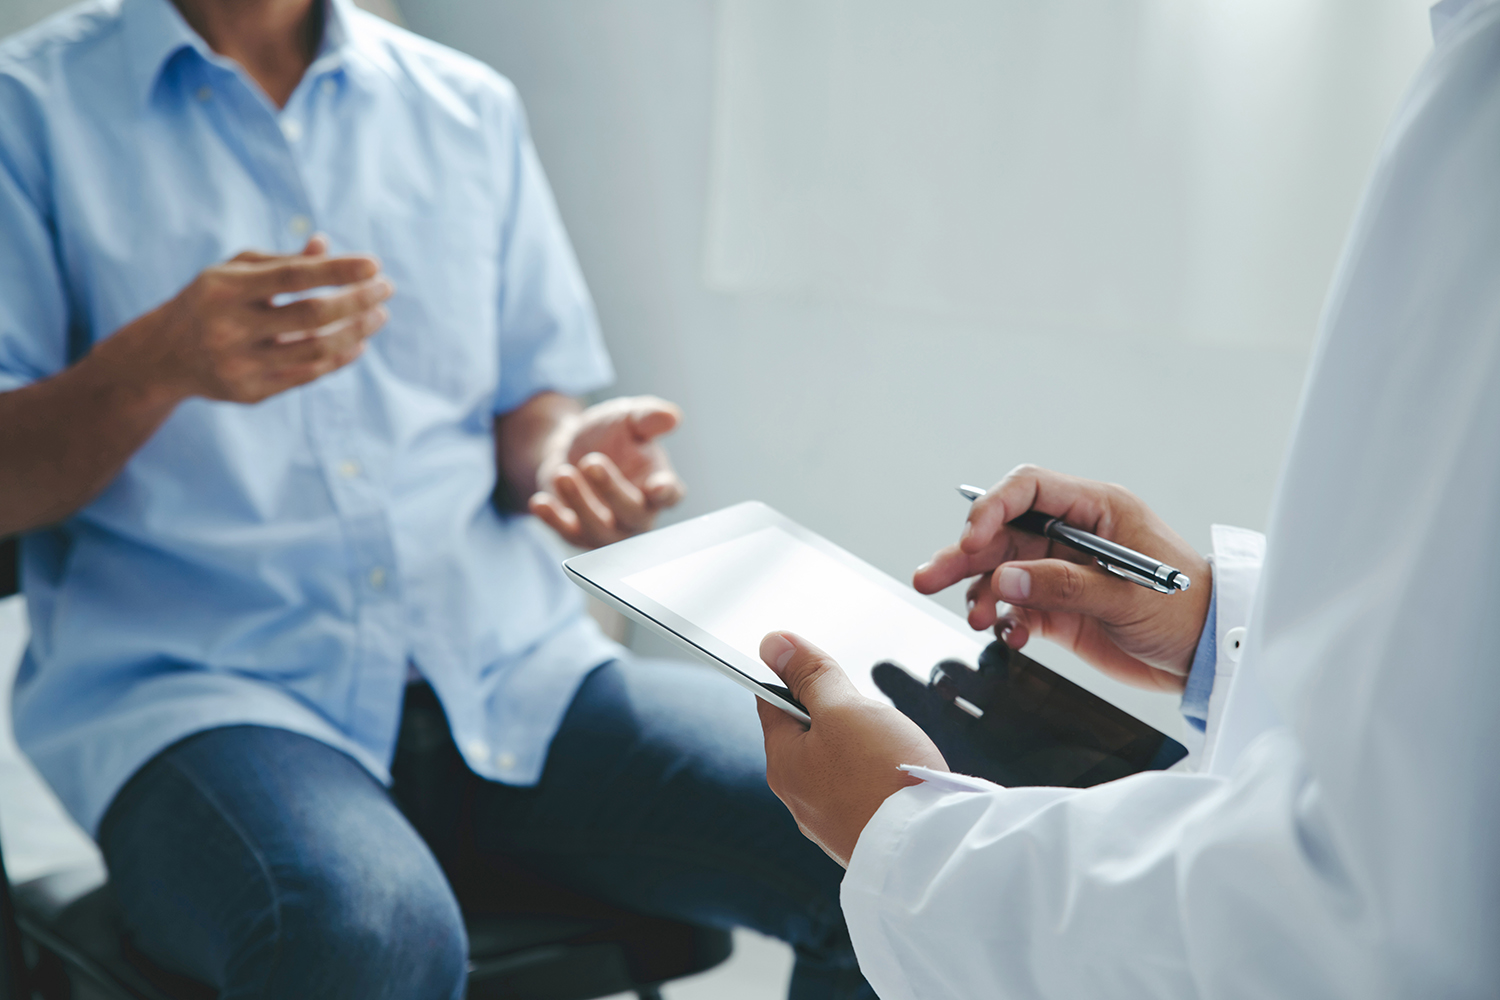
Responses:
[349,470]
[291,130]
[1234,644]
[478,749]
[300,224]
[377,577]
[505,760]
[205,93]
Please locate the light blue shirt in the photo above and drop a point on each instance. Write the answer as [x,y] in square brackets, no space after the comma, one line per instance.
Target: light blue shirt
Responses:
[281,564]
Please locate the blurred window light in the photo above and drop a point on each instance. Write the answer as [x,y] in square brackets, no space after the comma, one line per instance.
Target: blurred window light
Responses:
[1144,168]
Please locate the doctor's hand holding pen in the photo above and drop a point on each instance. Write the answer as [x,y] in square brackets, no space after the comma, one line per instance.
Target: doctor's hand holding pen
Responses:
[1026,584]
[834,774]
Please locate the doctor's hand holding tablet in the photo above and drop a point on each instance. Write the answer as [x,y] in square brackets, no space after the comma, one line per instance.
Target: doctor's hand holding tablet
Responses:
[836,772]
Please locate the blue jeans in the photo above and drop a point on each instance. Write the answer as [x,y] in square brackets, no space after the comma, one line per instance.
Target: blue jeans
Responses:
[270,865]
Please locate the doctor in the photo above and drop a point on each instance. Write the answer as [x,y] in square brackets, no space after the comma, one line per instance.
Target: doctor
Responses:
[1341,837]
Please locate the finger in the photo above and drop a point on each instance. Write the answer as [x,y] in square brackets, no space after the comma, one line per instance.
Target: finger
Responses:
[651,417]
[266,279]
[314,345]
[1056,585]
[779,729]
[287,376]
[1013,628]
[558,517]
[256,256]
[307,315]
[594,518]
[317,246]
[663,489]
[624,499]
[980,603]
[1082,502]
[809,673]
[952,564]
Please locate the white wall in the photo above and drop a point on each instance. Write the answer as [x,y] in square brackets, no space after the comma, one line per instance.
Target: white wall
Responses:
[856,411]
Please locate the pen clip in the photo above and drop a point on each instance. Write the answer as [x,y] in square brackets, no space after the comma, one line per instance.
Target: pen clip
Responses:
[1126,573]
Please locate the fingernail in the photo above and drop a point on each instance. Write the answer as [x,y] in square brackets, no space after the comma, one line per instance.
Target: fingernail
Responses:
[925,566]
[1013,583]
[777,649]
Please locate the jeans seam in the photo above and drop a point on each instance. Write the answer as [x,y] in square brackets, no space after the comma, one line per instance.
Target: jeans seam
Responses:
[249,844]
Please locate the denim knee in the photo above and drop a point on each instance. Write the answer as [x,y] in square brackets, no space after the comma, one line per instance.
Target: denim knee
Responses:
[338,931]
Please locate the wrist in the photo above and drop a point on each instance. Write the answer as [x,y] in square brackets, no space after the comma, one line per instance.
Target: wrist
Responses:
[142,361]
[552,447]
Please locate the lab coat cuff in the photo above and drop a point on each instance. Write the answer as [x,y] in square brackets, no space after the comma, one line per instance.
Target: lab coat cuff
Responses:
[1237,557]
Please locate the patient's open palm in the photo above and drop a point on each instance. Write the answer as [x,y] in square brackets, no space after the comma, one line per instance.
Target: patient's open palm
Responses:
[607,475]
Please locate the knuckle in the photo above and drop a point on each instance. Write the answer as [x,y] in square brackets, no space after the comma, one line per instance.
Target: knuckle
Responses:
[1071,583]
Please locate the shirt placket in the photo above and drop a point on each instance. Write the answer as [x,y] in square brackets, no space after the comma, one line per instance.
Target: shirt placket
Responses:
[377,659]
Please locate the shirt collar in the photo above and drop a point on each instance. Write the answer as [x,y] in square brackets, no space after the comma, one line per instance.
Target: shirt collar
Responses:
[155,32]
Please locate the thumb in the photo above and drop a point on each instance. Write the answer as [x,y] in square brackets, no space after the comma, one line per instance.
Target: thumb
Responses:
[1060,585]
[651,417]
[809,673]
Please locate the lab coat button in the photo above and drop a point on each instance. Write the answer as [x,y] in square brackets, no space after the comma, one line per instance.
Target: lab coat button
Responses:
[1234,643]
[291,130]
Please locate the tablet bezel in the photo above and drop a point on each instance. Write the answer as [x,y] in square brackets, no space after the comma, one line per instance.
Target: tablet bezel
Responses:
[602,573]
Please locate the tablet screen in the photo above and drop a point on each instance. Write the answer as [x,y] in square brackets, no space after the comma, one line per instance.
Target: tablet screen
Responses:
[768,579]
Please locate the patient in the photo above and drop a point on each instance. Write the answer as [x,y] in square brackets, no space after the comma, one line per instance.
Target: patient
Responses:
[273,503]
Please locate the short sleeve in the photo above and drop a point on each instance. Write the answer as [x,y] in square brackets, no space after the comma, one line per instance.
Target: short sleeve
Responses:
[33,303]
[549,333]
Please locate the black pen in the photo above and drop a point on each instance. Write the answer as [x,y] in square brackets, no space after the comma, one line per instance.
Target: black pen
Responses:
[1117,559]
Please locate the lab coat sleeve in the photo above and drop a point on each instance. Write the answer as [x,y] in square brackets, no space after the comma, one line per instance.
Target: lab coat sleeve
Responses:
[1160,886]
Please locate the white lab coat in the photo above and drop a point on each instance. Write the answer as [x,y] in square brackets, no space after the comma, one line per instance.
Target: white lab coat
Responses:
[1343,836]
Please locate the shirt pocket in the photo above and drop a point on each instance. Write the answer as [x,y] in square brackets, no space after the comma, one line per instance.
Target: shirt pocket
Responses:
[442,334]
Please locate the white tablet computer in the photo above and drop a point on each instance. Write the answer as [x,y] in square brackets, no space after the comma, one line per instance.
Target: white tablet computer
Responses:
[715,585]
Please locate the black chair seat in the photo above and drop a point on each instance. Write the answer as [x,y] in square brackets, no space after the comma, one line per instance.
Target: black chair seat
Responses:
[556,947]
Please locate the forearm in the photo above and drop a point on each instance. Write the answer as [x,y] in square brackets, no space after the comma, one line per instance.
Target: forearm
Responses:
[64,439]
[523,438]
